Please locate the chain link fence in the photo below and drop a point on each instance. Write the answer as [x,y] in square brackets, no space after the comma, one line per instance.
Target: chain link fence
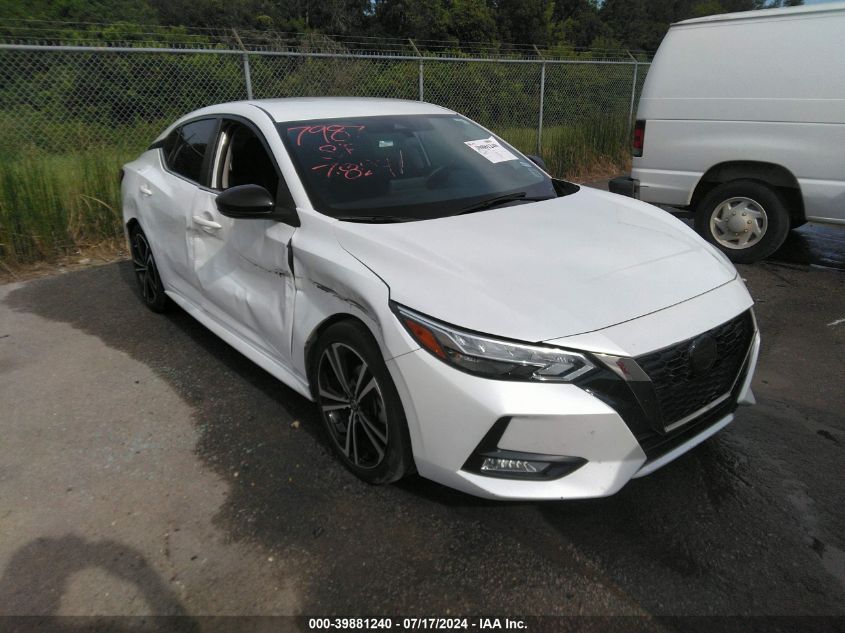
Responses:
[68,98]
[71,115]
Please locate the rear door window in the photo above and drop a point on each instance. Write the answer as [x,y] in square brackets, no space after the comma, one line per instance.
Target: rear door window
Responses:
[187,146]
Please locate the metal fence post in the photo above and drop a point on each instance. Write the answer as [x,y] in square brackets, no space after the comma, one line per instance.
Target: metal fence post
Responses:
[247,74]
[542,98]
[421,81]
[540,118]
[247,77]
[633,93]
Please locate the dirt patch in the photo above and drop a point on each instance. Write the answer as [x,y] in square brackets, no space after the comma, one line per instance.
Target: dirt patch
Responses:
[86,256]
[602,169]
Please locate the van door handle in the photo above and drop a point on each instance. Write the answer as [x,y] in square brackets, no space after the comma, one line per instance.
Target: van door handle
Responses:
[207,224]
[146,190]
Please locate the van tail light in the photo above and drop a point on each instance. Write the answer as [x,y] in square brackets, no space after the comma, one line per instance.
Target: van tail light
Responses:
[638,141]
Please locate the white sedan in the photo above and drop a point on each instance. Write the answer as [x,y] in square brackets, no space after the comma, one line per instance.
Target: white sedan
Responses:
[450,307]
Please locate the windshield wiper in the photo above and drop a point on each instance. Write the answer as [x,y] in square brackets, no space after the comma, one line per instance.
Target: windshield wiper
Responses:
[492,202]
[374,219]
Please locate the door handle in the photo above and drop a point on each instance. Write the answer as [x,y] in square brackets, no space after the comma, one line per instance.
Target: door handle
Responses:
[146,190]
[207,224]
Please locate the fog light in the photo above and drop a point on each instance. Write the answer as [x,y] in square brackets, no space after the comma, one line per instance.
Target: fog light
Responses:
[499,465]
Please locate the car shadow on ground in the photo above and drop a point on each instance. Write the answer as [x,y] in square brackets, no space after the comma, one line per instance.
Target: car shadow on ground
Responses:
[707,535]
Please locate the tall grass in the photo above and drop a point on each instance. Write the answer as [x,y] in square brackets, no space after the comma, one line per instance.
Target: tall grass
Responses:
[53,204]
[576,149]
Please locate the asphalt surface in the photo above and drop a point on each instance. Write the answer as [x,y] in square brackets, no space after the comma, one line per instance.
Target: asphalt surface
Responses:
[148,468]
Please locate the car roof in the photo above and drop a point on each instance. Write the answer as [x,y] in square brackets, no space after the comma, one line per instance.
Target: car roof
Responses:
[311,108]
[767,13]
[305,108]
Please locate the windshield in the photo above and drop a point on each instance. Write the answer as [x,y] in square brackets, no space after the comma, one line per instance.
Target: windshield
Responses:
[408,167]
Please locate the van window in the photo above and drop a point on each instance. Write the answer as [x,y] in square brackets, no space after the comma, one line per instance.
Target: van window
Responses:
[186,147]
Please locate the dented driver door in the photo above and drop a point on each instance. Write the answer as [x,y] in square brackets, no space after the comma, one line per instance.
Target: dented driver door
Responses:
[241,266]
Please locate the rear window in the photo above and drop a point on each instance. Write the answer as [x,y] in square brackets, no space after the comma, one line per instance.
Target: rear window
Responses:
[186,147]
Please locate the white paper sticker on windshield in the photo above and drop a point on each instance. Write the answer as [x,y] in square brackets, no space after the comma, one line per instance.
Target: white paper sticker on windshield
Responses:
[490,149]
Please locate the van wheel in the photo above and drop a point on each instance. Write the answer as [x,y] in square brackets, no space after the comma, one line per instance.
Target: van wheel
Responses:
[746,219]
[359,405]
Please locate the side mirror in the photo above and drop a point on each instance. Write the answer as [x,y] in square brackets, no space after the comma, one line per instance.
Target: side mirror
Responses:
[253,202]
[538,161]
[246,201]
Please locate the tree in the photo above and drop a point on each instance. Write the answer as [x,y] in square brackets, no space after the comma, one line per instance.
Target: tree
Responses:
[525,21]
[211,13]
[328,16]
[472,21]
[638,24]
[641,24]
[707,7]
[578,23]
[418,19]
[138,11]
[632,24]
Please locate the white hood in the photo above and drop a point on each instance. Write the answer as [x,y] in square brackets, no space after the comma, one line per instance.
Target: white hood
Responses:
[540,271]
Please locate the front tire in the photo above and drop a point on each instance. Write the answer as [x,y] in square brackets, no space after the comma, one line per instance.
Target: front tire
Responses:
[359,405]
[745,219]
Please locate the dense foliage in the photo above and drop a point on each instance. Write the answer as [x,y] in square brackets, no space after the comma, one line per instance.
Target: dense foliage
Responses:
[627,24]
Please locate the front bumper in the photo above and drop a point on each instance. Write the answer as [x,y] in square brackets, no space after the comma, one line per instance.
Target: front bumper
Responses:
[450,413]
[453,411]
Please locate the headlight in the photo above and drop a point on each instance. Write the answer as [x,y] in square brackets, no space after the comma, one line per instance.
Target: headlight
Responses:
[490,357]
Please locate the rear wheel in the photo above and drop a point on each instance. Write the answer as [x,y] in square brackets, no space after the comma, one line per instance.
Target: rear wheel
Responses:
[746,219]
[146,272]
[359,404]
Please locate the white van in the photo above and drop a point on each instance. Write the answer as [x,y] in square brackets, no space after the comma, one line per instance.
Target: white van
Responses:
[742,121]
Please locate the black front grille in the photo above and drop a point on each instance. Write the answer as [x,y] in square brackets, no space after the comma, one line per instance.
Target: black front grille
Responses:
[680,391]
[656,445]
